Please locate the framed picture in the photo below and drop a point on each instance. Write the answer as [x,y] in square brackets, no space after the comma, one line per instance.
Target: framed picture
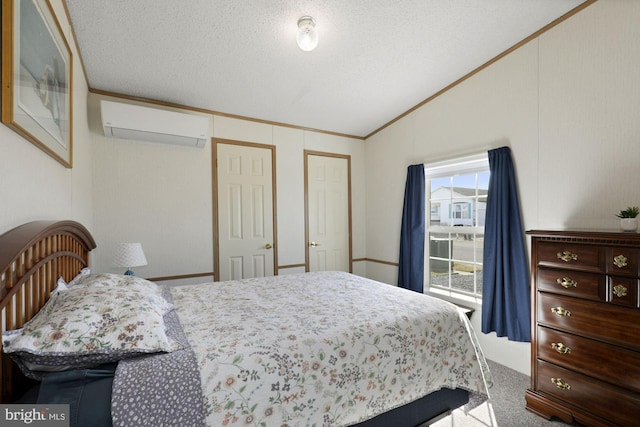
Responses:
[37,77]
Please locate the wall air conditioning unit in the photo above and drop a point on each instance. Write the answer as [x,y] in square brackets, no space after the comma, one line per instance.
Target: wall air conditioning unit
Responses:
[126,121]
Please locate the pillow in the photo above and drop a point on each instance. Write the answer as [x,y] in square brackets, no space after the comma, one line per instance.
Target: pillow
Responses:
[87,326]
[61,286]
[111,279]
[134,284]
[83,273]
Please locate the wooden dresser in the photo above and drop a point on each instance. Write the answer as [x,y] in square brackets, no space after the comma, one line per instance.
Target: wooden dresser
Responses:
[586,327]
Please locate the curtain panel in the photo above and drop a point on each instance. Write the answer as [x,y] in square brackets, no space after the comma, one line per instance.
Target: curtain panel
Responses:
[506,307]
[411,262]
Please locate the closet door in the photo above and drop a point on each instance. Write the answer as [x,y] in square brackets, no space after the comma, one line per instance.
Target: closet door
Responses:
[245,210]
[328,207]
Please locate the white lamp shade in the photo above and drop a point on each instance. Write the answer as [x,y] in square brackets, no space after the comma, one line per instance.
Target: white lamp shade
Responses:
[129,255]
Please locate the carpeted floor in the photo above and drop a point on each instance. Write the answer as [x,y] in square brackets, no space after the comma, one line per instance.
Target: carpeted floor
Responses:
[506,407]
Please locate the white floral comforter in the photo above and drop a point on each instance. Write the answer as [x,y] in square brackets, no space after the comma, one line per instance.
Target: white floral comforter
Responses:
[324,348]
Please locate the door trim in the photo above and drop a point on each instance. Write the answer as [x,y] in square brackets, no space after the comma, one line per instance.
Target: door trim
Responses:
[216,226]
[347,157]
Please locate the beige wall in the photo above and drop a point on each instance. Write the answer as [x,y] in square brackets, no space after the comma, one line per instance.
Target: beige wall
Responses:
[34,186]
[161,195]
[155,194]
[567,104]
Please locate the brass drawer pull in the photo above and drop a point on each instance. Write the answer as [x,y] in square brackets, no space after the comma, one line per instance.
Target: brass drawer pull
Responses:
[561,311]
[620,261]
[567,282]
[567,256]
[560,348]
[561,384]
[620,291]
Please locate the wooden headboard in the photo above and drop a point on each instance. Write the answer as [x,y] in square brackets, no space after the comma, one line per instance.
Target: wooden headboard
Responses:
[32,258]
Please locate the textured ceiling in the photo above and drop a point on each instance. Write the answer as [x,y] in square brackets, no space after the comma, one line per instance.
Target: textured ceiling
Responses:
[375,60]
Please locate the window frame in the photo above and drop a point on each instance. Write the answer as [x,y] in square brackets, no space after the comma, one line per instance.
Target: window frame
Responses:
[474,164]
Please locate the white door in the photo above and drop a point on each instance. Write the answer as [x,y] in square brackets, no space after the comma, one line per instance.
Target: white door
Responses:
[328,213]
[245,211]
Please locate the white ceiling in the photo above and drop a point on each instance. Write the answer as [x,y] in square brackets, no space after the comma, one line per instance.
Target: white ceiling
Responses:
[375,60]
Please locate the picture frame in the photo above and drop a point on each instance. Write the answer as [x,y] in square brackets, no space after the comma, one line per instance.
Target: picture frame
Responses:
[37,77]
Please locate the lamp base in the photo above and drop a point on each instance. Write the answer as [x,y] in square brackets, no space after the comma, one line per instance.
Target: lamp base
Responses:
[129,273]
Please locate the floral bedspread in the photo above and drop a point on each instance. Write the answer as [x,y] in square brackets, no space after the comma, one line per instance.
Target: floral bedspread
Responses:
[325,348]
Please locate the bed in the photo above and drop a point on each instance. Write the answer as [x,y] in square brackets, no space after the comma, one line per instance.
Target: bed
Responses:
[327,348]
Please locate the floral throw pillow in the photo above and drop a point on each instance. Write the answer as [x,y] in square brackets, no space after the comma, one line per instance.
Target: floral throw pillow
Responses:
[83,273]
[132,283]
[87,326]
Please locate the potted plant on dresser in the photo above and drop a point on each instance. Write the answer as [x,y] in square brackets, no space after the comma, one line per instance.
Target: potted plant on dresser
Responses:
[628,218]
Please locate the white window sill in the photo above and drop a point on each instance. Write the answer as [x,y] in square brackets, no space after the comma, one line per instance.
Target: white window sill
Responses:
[468,303]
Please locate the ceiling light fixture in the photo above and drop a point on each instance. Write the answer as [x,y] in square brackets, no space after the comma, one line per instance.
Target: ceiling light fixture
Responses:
[307,35]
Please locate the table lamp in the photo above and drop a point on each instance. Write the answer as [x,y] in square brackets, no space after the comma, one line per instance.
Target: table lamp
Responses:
[129,255]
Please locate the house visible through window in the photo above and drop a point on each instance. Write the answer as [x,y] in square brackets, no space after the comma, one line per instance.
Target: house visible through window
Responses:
[456,200]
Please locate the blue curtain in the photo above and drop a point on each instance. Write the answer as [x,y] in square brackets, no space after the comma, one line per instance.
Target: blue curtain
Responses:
[411,272]
[506,307]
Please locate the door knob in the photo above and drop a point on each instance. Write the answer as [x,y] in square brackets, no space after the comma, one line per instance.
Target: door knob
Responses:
[268,246]
[314,244]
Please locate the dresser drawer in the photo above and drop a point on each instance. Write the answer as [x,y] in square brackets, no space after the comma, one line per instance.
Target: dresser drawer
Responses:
[572,256]
[622,261]
[575,283]
[604,321]
[623,291]
[615,365]
[616,405]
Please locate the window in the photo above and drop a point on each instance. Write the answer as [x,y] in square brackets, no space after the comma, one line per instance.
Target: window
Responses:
[457,200]
[435,211]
